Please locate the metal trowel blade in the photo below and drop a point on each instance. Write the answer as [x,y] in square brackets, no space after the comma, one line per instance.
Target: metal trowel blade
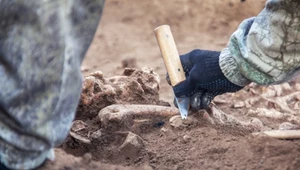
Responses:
[183,105]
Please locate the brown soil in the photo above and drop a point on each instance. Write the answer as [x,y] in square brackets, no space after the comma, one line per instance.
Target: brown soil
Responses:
[146,139]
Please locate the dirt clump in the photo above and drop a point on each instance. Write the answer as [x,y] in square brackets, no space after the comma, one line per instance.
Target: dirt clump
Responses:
[134,86]
[130,106]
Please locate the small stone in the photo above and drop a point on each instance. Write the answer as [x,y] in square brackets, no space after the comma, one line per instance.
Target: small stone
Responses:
[219,100]
[87,158]
[96,135]
[240,104]
[269,92]
[288,126]
[255,124]
[270,113]
[78,125]
[97,74]
[129,71]
[177,122]
[132,145]
[186,138]
[164,130]
[80,138]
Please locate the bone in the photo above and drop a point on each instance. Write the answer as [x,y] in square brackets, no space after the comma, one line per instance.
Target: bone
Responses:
[283,134]
[217,116]
[125,114]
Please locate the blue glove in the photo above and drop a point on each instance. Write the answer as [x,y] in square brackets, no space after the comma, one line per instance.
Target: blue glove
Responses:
[204,78]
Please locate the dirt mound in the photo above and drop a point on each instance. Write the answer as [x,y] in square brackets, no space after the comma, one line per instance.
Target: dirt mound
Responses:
[147,136]
[134,86]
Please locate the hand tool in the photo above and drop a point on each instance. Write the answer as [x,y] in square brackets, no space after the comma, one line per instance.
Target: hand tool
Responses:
[173,64]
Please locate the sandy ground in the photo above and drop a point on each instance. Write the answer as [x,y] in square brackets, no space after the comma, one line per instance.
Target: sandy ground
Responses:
[125,38]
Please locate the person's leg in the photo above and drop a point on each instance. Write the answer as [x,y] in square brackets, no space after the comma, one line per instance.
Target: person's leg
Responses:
[42,44]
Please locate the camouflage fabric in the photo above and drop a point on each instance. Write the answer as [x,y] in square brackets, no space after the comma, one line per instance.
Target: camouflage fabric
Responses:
[265,49]
[42,44]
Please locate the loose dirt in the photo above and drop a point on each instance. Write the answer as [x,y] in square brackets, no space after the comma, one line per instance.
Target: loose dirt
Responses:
[124,81]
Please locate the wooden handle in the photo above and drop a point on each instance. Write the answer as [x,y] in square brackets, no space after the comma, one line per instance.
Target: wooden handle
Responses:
[170,54]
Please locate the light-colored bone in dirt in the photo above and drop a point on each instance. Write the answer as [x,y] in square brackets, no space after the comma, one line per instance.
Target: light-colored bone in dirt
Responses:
[217,116]
[126,113]
[281,134]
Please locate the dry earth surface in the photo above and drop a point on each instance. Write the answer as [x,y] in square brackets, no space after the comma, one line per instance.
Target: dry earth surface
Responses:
[124,120]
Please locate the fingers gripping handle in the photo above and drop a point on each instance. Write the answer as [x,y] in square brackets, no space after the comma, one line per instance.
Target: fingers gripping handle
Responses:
[170,54]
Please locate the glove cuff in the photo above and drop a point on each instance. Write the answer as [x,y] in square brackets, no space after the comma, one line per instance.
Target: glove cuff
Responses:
[210,77]
[205,74]
[229,67]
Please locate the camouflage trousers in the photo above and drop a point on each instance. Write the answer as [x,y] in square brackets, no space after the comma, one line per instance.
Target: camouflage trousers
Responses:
[42,44]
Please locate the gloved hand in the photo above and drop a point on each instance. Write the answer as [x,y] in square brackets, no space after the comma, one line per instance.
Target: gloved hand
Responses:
[204,79]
